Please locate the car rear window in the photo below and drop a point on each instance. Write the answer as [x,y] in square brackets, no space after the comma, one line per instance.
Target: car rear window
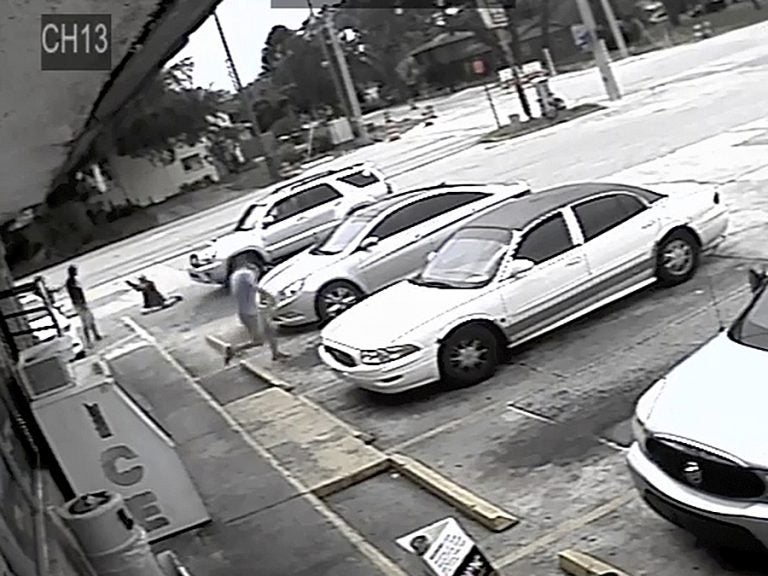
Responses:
[360,179]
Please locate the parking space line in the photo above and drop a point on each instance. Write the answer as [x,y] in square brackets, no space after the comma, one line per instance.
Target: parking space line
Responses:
[565,529]
[373,554]
[447,427]
[611,444]
[530,414]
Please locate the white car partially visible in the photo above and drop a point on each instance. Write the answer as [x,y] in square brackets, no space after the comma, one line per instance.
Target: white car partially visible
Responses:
[700,458]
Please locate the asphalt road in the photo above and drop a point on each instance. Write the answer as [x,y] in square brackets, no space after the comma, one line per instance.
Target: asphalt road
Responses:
[672,98]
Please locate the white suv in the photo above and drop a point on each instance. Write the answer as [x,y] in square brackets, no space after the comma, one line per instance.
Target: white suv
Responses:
[289,219]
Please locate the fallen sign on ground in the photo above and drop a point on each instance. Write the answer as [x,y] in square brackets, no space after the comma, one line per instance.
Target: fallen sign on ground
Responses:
[446,550]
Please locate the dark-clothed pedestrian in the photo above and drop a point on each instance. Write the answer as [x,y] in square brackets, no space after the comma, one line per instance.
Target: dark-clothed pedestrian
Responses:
[149,292]
[77,297]
[256,319]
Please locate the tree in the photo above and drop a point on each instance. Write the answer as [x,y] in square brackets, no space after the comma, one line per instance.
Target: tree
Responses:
[168,111]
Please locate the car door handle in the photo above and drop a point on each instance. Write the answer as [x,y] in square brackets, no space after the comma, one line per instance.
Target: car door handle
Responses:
[573,262]
[648,225]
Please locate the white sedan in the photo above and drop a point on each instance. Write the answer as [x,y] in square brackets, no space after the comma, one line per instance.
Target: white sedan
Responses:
[699,459]
[521,270]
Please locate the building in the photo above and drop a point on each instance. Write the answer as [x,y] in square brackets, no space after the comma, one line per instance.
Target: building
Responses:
[50,120]
[144,181]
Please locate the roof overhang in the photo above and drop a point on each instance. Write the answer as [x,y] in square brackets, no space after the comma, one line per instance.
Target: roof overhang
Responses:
[48,120]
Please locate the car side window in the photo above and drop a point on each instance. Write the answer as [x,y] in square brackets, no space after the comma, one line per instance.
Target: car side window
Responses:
[396,222]
[317,196]
[423,210]
[286,208]
[601,214]
[546,240]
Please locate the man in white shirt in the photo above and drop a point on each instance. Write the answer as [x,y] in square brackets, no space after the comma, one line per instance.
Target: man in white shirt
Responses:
[258,322]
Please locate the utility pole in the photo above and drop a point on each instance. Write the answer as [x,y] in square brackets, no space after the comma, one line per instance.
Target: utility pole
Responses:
[598,50]
[346,78]
[245,100]
[331,68]
[613,24]
[495,17]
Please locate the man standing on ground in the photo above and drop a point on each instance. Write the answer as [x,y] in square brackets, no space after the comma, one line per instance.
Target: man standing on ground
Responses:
[244,286]
[77,296]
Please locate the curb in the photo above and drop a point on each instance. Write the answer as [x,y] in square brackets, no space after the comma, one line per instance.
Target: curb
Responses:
[469,504]
[473,506]
[266,376]
[578,563]
[360,475]
[217,343]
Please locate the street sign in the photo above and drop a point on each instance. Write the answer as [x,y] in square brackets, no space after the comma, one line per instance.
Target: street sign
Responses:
[581,36]
[492,13]
[447,550]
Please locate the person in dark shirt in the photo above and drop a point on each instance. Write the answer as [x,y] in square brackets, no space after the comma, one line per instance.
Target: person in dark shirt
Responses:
[77,296]
[150,293]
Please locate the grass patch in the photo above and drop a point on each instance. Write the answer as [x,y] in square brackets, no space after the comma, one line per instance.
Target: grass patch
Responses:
[523,128]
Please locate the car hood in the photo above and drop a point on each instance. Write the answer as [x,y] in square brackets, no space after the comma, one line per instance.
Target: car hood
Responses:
[717,397]
[297,268]
[229,243]
[388,316]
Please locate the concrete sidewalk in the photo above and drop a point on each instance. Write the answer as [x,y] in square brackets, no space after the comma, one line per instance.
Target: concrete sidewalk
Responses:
[264,522]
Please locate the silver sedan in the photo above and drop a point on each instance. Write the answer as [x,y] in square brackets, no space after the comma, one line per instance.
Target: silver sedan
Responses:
[375,247]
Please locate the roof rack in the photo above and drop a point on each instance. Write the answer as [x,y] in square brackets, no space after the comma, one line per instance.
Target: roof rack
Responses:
[316,176]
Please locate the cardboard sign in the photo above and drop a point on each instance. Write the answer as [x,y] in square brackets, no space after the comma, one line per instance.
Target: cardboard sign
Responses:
[447,550]
[103,440]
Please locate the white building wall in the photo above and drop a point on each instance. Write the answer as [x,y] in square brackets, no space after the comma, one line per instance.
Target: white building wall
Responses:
[143,182]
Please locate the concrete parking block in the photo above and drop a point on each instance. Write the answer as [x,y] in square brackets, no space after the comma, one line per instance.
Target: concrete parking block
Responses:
[227,336]
[483,512]
[266,375]
[578,563]
[318,449]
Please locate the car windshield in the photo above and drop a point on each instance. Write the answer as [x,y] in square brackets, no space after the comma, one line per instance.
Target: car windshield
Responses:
[469,259]
[752,328]
[344,234]
[249,219]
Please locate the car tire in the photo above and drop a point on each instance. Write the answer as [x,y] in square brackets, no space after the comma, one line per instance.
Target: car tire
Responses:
[336,297]
[246,258]
[468,356]
[677,258]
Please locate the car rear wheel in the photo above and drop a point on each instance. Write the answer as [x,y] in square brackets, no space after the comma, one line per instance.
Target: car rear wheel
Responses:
[469,356]
[243,259]
[677,258]
[335,298]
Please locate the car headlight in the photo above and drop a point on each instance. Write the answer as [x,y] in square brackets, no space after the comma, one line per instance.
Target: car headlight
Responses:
[291,290]
[389,354]
[643,410]
[639,431]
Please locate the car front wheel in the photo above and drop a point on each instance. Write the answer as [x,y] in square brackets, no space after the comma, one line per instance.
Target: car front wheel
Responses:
[677,258]
[247,258]
[335,298]
[469,356]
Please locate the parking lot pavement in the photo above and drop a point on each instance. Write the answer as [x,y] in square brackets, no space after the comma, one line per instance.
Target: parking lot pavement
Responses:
[544,439]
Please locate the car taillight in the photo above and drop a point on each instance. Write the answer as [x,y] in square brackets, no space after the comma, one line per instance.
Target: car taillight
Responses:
[717,198]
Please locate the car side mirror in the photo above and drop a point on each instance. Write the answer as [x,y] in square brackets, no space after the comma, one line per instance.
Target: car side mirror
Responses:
[369,243]
[268,220]
[757,278]
[518,267]
[431,256]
